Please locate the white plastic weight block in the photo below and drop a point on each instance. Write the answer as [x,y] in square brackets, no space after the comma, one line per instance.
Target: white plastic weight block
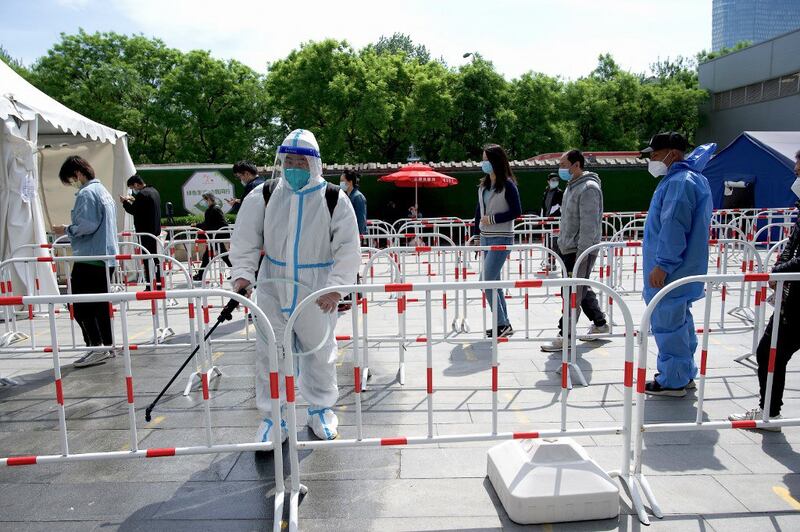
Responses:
[550,481]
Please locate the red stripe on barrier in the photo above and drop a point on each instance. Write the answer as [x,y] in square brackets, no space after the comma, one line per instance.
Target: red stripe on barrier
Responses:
[46,246]
[724,292]
[398,287]
[343,337]
[357,378]
[204,381]
[206,318]
[364,305]
[758,298]
[20,460]
[123,257]
[422,339]
[526,435]
[756,277]
[564,374]
[430,380]
[771,365]
[59,393]
[494,378]
[274,391]
[497,248]
[30,312]
[148,295]
[129,387]
[444,300]
[712,242]
[703,360]
[744,424]
[422,249]
[290,388]
[633,244]
[573,300]
[641,380]
[191,311]
[526,300]
[157,453]
[530,283]
[394,441]
[502,340]
[44,259]
[628,382]
[71,311]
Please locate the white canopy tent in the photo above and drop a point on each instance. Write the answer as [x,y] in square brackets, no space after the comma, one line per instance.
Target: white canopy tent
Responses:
[37,134]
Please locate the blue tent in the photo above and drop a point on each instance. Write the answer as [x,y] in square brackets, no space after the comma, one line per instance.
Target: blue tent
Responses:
[763,158]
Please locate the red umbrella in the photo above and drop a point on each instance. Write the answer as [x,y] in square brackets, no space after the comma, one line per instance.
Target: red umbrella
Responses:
[419,175]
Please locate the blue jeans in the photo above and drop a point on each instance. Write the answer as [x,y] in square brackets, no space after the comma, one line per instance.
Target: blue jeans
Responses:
[493,262]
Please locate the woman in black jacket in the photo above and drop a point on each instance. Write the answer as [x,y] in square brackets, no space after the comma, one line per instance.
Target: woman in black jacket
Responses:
[213,220]
[552,197]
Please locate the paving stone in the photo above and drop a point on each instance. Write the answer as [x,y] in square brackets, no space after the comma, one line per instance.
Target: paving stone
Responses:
[764,493]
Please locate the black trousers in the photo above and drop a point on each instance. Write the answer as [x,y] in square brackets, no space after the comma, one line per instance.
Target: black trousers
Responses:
[151,245]
[788,344]
[204,260]
[93,318]
[586,296]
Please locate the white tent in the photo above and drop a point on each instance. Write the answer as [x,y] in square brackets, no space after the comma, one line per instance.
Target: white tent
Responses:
[36,134]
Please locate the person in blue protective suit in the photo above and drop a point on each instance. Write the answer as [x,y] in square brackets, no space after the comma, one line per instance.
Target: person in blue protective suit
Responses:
[676,246]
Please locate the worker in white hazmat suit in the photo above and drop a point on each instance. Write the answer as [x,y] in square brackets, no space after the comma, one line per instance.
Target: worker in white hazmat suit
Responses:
[308,231]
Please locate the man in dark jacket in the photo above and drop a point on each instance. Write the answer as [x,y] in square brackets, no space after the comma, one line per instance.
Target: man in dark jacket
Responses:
[551,200]
[213,220]
[247,174]
[788,334]
[145,207]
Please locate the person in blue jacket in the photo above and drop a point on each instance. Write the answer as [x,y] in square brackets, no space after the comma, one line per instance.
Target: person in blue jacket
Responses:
[676,246]
[349,182]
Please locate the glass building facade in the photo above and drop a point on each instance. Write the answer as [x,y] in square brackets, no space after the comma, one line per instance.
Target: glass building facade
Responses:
[734,21]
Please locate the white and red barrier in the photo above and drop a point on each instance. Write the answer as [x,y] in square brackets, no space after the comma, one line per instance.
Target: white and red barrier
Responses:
[641,427]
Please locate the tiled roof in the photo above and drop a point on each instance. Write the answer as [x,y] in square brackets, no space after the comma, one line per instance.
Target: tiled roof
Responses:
[548,162]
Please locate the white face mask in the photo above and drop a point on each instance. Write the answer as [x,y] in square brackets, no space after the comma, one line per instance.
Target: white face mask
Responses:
[796,187]
[553,184]
[658,168]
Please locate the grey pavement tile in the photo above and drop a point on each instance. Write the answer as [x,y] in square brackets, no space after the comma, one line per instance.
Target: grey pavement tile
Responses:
[764,493]
[462,462]
[218,500]
[777,522]
[767,457]
[681,494]
[86,501]
[178,525]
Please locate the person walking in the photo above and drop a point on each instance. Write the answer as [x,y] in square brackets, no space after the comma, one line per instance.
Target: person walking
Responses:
[498,206]
[581,228]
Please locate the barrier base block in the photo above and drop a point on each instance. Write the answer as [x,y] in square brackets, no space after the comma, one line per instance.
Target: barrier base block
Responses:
[550,481]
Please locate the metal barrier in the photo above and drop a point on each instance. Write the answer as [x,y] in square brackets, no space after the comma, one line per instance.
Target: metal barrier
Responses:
[460,300]
[210,447]
[640,427]
[427,338]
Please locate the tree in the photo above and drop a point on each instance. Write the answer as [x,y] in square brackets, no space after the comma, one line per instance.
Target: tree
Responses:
[704,55]
[216,108]
[536,104]
[15,64]
[402,43]
[113,79]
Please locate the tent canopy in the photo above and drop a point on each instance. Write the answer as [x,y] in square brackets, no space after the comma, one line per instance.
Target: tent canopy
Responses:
[764,159]
[36,134]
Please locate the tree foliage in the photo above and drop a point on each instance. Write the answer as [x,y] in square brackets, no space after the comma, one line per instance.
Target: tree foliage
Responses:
[363,105]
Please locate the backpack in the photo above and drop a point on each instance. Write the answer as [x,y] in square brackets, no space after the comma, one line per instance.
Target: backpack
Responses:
[331,194]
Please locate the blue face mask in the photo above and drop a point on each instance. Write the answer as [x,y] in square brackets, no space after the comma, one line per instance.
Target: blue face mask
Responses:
[296,177]
[486,166]
[564,174]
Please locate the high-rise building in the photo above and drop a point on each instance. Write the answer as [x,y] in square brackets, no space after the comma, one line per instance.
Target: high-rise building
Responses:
[734,21]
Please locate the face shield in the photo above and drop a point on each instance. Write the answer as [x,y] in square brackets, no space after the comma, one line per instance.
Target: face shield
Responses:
[298,159]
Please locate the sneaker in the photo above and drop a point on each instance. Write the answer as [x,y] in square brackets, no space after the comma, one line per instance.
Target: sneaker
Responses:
[323,422]
[595,329]
[503,331]
[555,346]
[264,432]
[654,388]
[93,358]
[756,414]
[198,277]
[691,385]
